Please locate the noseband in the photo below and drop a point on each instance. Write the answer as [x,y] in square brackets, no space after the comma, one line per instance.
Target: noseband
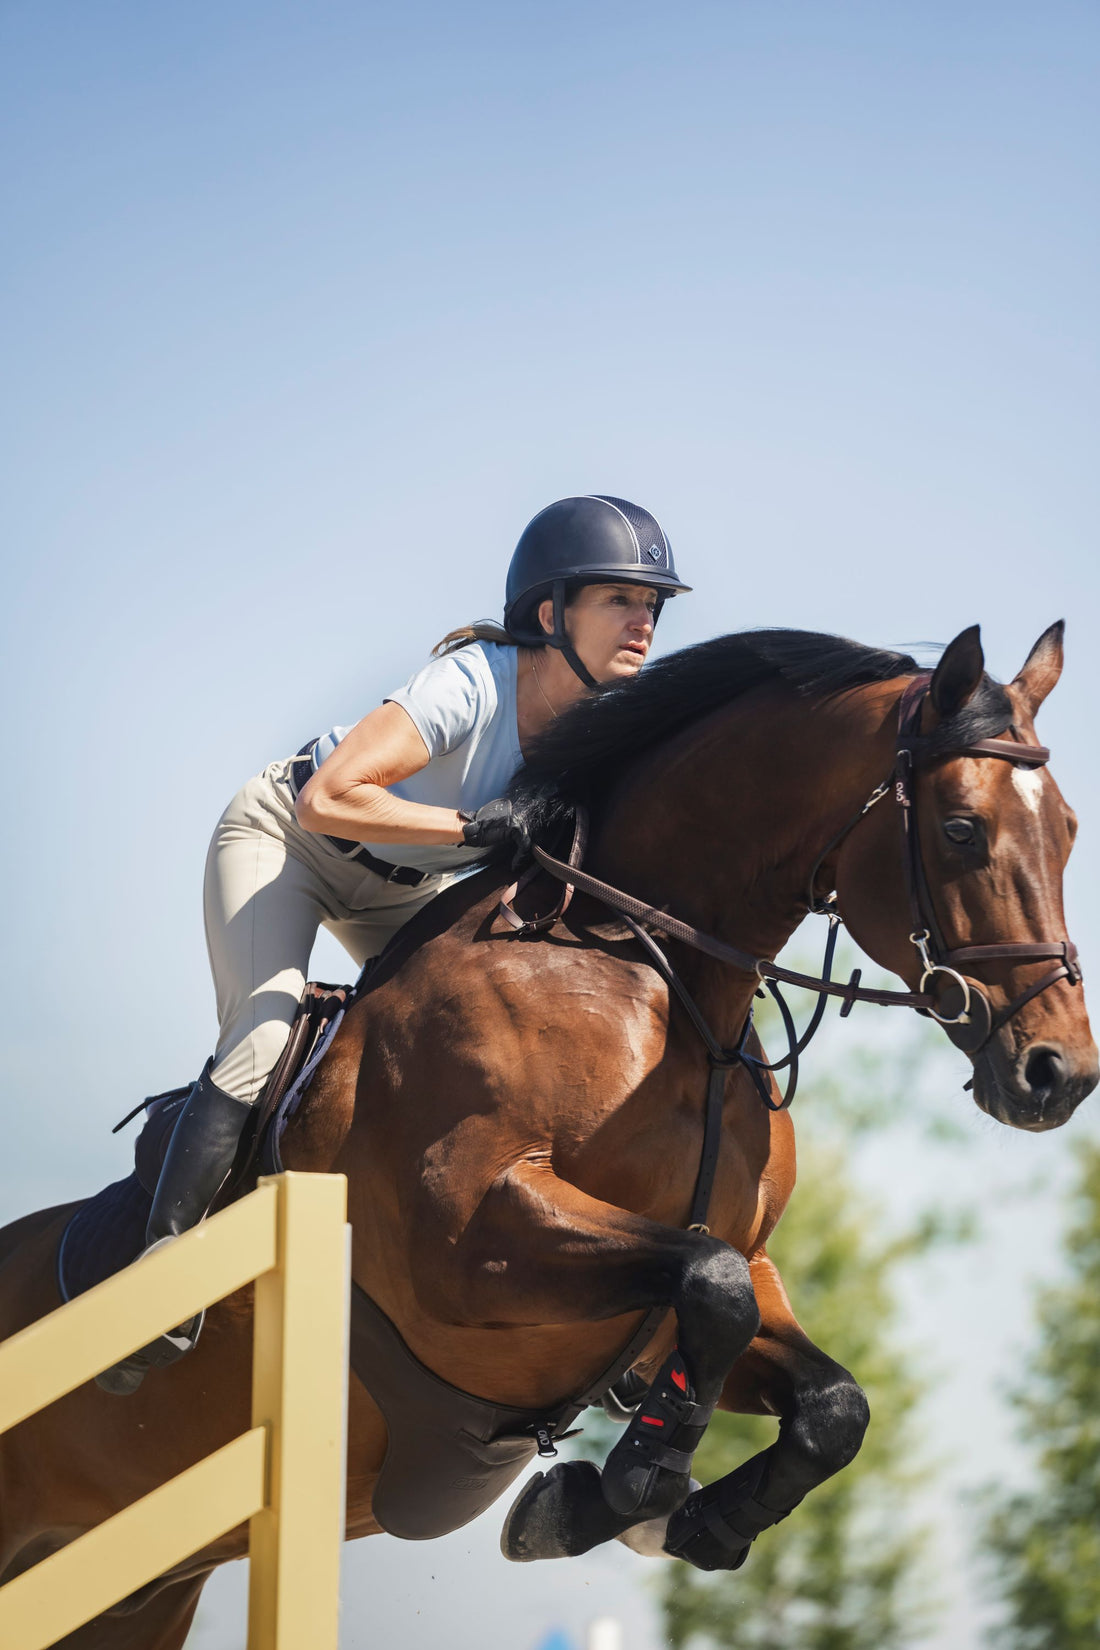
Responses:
[961,1007]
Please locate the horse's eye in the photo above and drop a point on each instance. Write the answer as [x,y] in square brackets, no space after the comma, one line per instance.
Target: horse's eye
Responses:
[959,830]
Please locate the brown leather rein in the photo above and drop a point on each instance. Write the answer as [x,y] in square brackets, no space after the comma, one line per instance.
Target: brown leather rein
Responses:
[969,1020]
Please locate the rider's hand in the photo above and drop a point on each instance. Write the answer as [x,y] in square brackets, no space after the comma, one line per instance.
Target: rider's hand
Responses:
[496,825]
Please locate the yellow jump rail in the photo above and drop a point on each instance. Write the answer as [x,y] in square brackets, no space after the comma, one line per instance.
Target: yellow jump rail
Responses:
[285,1475]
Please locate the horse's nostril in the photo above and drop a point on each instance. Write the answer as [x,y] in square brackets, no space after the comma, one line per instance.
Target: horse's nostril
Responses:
[1044,1068]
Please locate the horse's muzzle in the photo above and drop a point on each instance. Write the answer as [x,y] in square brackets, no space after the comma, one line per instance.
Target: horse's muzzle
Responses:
[1037,1087]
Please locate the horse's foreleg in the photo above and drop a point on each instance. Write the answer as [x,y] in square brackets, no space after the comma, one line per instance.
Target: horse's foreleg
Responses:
[823,1417]
[540,1251]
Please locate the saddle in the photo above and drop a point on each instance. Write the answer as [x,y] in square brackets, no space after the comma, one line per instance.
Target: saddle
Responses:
[108,1231]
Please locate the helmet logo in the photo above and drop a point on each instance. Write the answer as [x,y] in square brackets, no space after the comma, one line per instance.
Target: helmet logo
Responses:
[655,554]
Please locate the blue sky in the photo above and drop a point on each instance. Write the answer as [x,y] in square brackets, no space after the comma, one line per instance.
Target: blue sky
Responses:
[309,308]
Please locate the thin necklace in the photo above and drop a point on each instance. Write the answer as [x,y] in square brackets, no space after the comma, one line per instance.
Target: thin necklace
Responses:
[542,690]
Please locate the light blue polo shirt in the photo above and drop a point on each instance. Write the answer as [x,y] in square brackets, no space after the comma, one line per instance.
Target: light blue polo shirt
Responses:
[464,708]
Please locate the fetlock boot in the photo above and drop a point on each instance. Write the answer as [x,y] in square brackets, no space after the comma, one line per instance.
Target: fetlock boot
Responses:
[196,1165]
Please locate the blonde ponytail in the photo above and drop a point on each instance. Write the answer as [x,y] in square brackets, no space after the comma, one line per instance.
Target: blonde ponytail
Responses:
[483,630]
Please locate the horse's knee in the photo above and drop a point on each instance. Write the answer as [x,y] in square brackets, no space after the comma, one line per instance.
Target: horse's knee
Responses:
[716,1297]
[829,1423]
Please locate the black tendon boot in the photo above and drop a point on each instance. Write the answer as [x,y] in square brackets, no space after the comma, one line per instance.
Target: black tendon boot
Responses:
[199,1157]
[648,1473]
[716,1526]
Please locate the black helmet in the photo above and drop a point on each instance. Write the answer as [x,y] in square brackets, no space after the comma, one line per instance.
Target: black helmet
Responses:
[591,539]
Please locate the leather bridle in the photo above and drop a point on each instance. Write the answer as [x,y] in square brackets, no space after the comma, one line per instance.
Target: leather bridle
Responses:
[963,1008]
[973,1022]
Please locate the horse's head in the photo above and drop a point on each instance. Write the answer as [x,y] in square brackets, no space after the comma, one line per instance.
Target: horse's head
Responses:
[982,855]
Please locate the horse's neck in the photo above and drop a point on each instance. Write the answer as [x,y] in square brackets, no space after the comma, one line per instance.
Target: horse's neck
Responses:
[723,827]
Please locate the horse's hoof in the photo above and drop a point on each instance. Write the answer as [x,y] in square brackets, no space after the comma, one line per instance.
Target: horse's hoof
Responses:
[649,1539]
[558,1514]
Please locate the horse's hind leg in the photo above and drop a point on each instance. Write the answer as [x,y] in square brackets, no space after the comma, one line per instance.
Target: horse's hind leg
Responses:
[540,1251]
[823,1416]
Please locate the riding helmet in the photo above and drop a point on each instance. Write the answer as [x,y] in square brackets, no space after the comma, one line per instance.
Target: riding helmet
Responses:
[590,539]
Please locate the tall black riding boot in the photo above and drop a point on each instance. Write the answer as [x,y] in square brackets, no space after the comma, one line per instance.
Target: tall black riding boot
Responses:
[199,1157]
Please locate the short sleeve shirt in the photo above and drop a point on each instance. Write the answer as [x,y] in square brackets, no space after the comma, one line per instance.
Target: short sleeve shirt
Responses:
[464,708]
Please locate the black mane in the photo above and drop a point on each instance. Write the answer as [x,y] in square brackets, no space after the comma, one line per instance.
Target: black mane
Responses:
[581,755]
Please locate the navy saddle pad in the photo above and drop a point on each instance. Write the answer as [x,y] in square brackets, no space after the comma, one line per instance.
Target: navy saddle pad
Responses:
[104,1235]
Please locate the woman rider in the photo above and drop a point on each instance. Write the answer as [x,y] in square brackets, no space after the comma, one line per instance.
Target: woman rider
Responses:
[368,824]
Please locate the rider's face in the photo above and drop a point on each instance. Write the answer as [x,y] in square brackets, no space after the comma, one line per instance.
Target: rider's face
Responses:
[611,626]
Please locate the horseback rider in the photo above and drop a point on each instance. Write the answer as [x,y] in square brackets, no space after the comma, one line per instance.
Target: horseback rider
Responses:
[367,824]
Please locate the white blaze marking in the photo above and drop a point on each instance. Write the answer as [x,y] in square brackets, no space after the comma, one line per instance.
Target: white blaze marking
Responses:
[1029,783]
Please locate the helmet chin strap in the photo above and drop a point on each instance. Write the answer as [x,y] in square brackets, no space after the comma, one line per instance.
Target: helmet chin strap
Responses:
[559,638]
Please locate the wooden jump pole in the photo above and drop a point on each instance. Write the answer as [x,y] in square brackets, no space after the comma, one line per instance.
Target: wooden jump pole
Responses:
[300,1394]
[285,1475]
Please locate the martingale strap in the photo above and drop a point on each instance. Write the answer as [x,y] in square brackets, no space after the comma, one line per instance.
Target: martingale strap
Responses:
[725,1059]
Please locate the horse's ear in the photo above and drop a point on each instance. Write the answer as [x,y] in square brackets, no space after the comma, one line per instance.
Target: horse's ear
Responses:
[958,673]
[1043,667]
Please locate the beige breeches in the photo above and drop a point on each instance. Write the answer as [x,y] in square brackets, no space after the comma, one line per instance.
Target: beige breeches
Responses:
[269,887]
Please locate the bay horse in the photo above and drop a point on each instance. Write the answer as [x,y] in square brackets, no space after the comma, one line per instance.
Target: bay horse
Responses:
[520,1118]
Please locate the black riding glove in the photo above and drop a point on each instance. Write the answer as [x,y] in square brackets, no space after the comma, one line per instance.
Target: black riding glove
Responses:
[496,826]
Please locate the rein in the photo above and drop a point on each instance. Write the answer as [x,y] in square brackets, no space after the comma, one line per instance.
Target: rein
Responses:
[970,1021]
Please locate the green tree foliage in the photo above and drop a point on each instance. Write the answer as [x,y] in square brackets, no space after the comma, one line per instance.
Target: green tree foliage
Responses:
[1044,1545]
[843,1571]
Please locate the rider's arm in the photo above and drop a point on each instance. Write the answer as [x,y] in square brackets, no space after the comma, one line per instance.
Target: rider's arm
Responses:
[347,796]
